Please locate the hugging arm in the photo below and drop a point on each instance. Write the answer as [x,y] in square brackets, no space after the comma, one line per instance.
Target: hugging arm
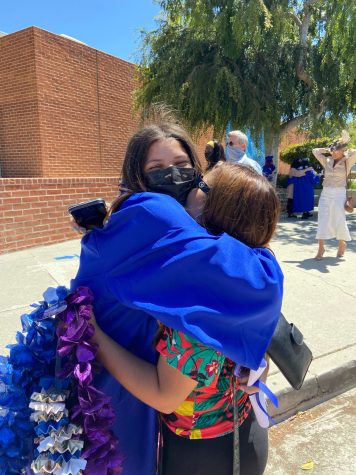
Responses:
[161,387]
[157,259]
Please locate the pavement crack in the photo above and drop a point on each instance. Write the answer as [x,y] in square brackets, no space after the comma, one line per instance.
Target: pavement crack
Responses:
[334,351]
[339,287]
[46,269]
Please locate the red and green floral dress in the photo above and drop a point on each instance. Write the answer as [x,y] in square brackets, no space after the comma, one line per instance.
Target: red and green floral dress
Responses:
[208,410]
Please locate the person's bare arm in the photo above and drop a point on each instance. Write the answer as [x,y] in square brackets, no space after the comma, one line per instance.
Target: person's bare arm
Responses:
[298,173]
[351,156]
[162,387]
[319,155]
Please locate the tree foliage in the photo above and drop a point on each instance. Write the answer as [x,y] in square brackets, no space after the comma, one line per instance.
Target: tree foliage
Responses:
[304,150]
[261,64]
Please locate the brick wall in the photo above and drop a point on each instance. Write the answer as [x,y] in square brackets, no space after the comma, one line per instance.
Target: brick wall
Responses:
[33,211]
[293,137]
[20,142]
[65,108]
[84,99]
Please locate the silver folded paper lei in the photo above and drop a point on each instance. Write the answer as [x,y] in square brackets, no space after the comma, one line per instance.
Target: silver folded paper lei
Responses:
[50,407]
[53,395]
[39,416]
[71,446]
[60,435]
[43,465]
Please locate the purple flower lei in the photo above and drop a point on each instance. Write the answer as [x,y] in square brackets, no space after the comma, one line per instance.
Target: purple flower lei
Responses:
[92,409]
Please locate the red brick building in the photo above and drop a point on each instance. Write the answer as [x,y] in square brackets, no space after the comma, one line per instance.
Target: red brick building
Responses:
[65,108]
[65,119]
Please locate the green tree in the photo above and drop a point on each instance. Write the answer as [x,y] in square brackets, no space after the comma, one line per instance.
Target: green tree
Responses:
[261,64]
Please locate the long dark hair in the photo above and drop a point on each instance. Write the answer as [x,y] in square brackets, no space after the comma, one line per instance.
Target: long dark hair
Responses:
[241,203]
[132,177]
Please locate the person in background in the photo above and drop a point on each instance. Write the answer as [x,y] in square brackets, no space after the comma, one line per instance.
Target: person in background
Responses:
[303,188]
[269,168]
[236,147]
[337,161]
[297,170]
[214,154]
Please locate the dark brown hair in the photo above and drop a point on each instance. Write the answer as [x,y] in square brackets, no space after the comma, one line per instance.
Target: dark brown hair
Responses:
[217,155]
[132,180]
[241,203]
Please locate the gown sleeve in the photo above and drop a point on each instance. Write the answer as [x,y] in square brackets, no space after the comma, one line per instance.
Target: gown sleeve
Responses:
[154,257]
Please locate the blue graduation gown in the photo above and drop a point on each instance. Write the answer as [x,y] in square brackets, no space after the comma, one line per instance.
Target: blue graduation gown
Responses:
[152,261]
[303,192]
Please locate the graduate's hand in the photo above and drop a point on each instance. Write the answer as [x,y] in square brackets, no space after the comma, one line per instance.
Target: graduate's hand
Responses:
[195,203]
[242,379]
[247,389]
[97,329]
[78,229]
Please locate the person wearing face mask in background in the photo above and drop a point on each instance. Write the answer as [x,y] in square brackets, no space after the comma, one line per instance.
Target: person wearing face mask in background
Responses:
[300,189]
[236,147]
[214,154]
[152,261]
[269,168]
[303,195]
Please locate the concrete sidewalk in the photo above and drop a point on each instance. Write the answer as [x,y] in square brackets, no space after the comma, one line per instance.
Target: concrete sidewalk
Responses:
[320,298]
[321,439]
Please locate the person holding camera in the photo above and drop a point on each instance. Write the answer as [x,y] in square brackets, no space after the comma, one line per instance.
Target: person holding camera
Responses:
[337,162]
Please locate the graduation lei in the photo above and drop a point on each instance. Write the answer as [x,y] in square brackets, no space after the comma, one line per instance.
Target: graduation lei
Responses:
[52,418]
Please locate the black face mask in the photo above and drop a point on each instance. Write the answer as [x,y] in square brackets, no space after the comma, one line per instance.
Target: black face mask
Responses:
[174,181]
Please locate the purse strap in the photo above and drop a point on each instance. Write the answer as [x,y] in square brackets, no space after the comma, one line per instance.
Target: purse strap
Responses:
[236,455]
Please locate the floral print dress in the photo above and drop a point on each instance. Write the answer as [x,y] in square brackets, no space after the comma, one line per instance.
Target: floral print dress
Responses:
[208,410]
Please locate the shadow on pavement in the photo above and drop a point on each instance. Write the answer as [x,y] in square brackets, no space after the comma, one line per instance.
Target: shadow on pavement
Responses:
[302,233]
[322,266]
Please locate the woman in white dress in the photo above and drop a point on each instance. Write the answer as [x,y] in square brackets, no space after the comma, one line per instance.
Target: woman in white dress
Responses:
[331,215]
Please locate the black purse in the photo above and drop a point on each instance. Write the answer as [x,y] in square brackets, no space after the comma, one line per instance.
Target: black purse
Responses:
[289,352]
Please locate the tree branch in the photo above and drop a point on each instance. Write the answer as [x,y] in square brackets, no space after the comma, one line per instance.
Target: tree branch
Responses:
[292,123]
[322,107]
[309,3]
[296,19]
[300,71]
[296,121]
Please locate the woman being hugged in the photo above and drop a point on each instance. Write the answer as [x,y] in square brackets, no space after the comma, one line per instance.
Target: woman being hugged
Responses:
[331,216]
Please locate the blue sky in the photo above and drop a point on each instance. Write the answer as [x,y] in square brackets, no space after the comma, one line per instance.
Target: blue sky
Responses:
[108,25]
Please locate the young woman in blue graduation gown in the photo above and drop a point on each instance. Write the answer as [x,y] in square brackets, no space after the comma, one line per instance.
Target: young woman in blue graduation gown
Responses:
[152,261]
